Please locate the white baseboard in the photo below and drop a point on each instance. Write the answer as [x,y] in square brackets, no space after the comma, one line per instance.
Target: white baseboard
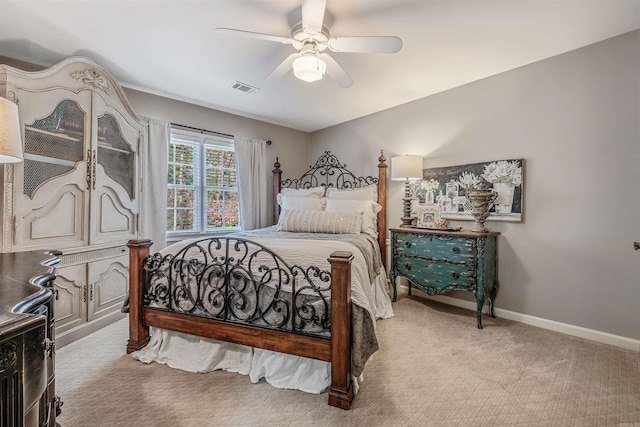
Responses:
[565,328]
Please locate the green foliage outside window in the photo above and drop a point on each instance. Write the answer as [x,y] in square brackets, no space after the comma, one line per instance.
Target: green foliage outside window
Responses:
[214,181]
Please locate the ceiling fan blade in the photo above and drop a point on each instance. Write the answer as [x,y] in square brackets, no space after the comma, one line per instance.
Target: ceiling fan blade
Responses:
[335,71]
[366,44]
[252,35]
[313,15]
[283,68]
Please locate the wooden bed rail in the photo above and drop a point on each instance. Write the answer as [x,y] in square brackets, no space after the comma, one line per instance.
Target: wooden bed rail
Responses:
[336,350]
[382,200]
[341,389]
[138,332]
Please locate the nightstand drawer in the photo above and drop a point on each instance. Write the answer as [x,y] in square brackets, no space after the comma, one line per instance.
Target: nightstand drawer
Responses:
[436,274]
[430,246]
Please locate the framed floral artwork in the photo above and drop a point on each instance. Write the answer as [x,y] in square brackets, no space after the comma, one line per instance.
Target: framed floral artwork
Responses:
[447,187]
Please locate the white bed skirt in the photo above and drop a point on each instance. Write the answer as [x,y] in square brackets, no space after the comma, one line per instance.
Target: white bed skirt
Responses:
[197,354]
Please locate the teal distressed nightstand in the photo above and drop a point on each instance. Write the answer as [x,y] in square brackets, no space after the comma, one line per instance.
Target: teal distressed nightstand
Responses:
[441,261]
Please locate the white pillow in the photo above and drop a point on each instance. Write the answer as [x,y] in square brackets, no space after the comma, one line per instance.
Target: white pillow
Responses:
[303,192]
[301,203]
[369,192]
[320,222]
[370,209]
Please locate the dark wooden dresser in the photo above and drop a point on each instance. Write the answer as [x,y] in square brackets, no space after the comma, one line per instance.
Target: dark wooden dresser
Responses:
[27,346]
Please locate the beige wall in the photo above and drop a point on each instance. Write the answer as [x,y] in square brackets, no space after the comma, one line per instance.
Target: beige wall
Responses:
[574,119]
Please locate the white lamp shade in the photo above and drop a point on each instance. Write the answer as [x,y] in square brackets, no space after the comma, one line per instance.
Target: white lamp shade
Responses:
[10,141]
[309,68]
[406,167]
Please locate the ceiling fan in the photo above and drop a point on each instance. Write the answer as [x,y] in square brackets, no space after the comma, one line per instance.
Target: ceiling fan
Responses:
[310,38]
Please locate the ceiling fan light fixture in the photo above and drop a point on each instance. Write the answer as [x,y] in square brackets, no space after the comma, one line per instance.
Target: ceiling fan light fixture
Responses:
[311,38]
[309,68]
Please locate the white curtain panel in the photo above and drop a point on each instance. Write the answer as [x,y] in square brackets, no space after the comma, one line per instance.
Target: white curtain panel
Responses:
[251,165]
[154,181]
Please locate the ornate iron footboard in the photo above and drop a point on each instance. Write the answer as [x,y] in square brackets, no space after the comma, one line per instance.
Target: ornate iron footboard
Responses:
[240,281]
[238,291]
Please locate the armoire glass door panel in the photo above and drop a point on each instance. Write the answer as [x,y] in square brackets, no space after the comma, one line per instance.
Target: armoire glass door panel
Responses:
[53,145]
[115,154]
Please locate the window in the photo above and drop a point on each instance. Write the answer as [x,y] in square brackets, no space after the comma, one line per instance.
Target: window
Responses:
[202,189]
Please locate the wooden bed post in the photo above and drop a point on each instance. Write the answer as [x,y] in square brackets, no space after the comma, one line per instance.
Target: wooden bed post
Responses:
[382,200]
[138,332]
[341,389]
[277,179]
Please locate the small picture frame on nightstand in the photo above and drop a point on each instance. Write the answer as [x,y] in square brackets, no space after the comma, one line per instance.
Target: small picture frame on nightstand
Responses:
[428,215]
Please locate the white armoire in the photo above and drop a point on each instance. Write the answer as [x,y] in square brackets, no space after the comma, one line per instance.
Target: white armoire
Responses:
[78,189]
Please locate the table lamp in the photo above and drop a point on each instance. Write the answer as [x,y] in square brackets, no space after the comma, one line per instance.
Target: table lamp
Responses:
[10,141]
[406,168]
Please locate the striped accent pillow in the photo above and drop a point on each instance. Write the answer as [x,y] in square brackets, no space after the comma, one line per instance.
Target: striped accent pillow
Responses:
[300,221]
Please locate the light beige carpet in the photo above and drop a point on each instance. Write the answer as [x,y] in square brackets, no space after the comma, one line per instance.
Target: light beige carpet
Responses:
[434,368]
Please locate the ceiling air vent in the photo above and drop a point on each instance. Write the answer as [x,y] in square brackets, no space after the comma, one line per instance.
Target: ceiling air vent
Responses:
[243,87]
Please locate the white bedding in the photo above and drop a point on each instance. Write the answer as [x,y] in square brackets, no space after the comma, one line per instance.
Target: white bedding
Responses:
[196,354]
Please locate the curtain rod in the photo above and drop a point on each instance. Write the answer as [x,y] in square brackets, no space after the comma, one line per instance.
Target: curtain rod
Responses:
[206,131]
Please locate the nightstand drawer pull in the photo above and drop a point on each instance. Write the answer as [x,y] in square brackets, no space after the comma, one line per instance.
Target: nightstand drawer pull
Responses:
[407,244]
[408,267]
[456,250]
[455,275]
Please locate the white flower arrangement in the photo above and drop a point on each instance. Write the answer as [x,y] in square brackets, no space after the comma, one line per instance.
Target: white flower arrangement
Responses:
[430,185]
[468,180]
[503,171]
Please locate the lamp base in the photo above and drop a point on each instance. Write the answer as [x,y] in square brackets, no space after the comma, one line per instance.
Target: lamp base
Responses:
[406,222]
[407,219]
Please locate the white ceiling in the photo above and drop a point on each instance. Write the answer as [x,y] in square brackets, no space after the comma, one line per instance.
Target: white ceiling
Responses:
[170,47]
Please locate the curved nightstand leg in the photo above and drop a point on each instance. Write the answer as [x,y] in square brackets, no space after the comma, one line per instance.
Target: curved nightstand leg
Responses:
[480,301]
[492,297]
[392,278]
[491,307]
